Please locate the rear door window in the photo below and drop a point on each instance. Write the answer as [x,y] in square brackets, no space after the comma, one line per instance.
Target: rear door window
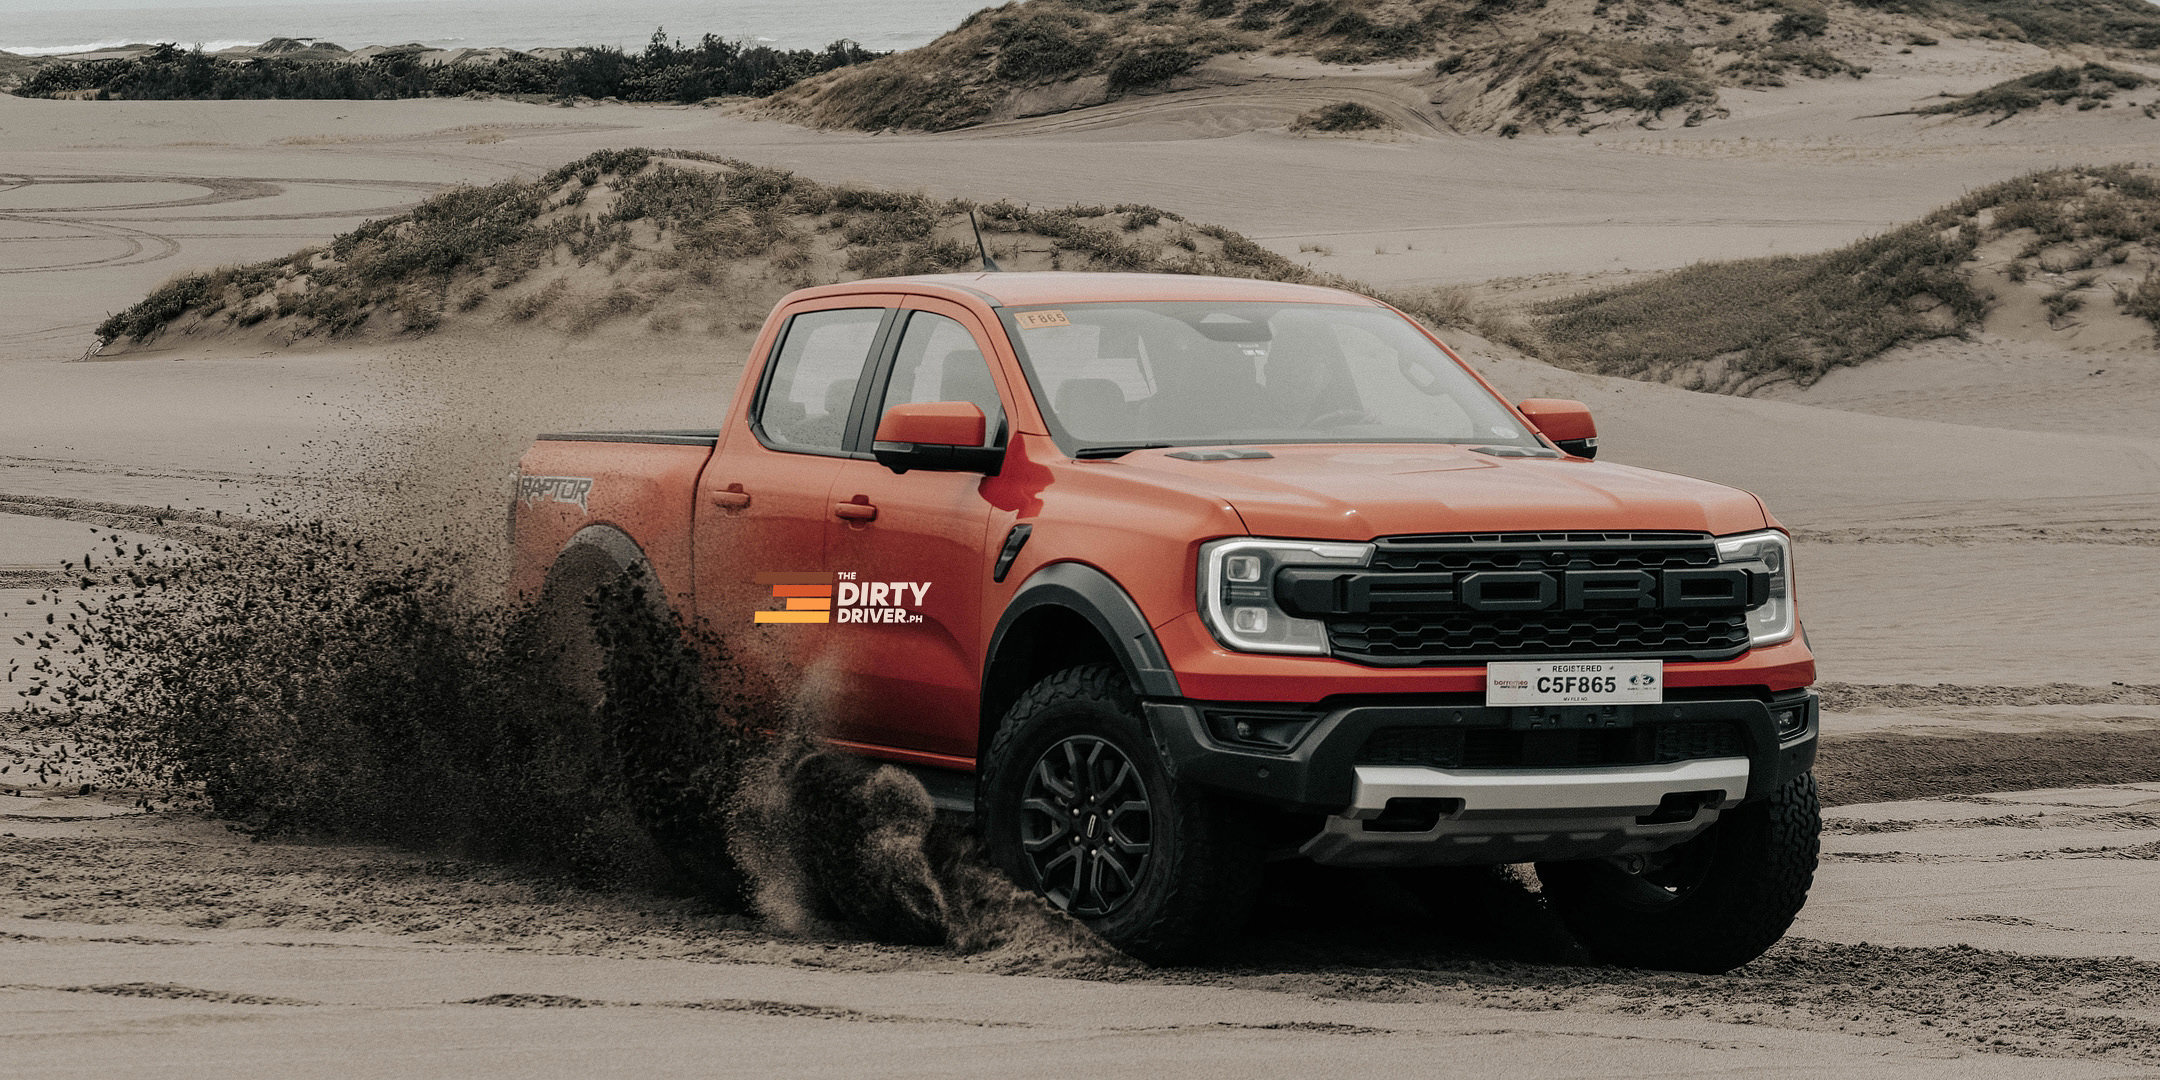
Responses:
[811,389]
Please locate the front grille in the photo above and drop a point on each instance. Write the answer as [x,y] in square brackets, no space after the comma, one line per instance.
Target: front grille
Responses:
[1504,748]
[1473,637]
[1491,596]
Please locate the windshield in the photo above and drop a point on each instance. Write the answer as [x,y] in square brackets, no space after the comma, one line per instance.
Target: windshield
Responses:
[1127,375]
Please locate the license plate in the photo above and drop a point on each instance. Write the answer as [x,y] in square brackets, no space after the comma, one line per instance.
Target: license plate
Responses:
[1576,682]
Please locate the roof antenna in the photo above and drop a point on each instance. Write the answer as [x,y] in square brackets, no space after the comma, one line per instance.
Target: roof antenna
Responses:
[990,265]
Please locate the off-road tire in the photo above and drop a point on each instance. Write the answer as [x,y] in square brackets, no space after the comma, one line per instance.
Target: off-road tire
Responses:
[1741,883]
[619,655]
[1195,888]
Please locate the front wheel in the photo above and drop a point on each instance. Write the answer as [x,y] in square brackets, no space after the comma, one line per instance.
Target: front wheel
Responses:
[1708,905]
[1078,807]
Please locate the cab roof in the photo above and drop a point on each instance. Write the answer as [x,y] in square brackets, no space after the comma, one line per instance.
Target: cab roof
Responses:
[1054,287]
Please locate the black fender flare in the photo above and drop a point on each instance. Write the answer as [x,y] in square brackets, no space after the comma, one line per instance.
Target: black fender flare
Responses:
[1106,606]
[601,546]
[609,541]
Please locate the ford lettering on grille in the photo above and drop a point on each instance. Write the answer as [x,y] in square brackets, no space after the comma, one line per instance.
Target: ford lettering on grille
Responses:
[1449,599]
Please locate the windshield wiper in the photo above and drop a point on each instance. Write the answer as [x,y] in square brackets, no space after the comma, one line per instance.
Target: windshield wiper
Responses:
[1114,450]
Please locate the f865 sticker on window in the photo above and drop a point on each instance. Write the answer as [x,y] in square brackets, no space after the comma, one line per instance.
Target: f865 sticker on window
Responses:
[1039,320]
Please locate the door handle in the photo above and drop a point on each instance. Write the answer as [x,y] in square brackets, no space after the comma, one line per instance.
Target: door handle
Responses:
[857,509]
[732,497]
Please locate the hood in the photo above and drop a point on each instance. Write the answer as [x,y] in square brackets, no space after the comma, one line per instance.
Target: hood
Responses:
[1361,492]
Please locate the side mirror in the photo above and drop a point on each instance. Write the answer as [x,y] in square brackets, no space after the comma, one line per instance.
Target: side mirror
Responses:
[1566,423]
[944,436]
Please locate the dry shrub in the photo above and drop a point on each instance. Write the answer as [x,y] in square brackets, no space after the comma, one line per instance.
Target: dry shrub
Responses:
[2087,86]
[2144,301]
[1750,321]
[1768,67]
[1148,65]
[1445,305]
[588,315]
[1790,317]
[531,305]
[1568,78]
[166,303]
[1342,116]
[2042,22]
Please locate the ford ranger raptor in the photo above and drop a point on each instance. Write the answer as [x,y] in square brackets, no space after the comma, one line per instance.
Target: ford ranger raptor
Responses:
[1161,578]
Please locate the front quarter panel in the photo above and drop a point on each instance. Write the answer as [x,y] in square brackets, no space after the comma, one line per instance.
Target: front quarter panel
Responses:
[1143,537]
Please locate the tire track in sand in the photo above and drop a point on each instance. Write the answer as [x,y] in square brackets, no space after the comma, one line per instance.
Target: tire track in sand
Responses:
[138,245]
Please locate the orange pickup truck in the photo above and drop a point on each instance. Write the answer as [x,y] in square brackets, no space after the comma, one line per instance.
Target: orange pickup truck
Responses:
[1163,577]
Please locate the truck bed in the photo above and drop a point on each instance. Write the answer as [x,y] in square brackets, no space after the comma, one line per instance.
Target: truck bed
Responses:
[704,437]
[640,484]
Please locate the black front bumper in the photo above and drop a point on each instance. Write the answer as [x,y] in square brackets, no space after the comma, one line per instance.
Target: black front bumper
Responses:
[1316,772]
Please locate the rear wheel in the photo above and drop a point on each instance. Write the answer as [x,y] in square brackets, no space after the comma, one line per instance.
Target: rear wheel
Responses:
[618,655]
[1708,905]
[1077,806]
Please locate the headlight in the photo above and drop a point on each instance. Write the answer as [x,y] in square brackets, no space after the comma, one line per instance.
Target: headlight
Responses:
[1769,554]
[1237,592]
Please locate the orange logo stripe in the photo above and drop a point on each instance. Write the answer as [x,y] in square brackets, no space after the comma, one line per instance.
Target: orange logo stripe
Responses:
[807,597]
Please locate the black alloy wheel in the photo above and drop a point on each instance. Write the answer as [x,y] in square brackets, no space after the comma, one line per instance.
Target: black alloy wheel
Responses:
[1087,825]
[1078,806]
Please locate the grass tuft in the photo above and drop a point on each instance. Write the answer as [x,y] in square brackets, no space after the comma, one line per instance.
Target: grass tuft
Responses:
[2144,300]
[1739,324]
[2120,24]
[1787,317]
[1571,79]
[2086,86]
[1149,65]
[1343,116]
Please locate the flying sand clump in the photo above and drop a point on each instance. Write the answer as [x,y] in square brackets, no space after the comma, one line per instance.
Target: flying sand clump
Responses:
[304,678]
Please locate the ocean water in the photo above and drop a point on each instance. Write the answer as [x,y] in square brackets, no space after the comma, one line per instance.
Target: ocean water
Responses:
[44,28]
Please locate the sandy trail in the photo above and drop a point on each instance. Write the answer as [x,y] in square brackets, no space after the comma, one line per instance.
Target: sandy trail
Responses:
[2069,872]
[151,939]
